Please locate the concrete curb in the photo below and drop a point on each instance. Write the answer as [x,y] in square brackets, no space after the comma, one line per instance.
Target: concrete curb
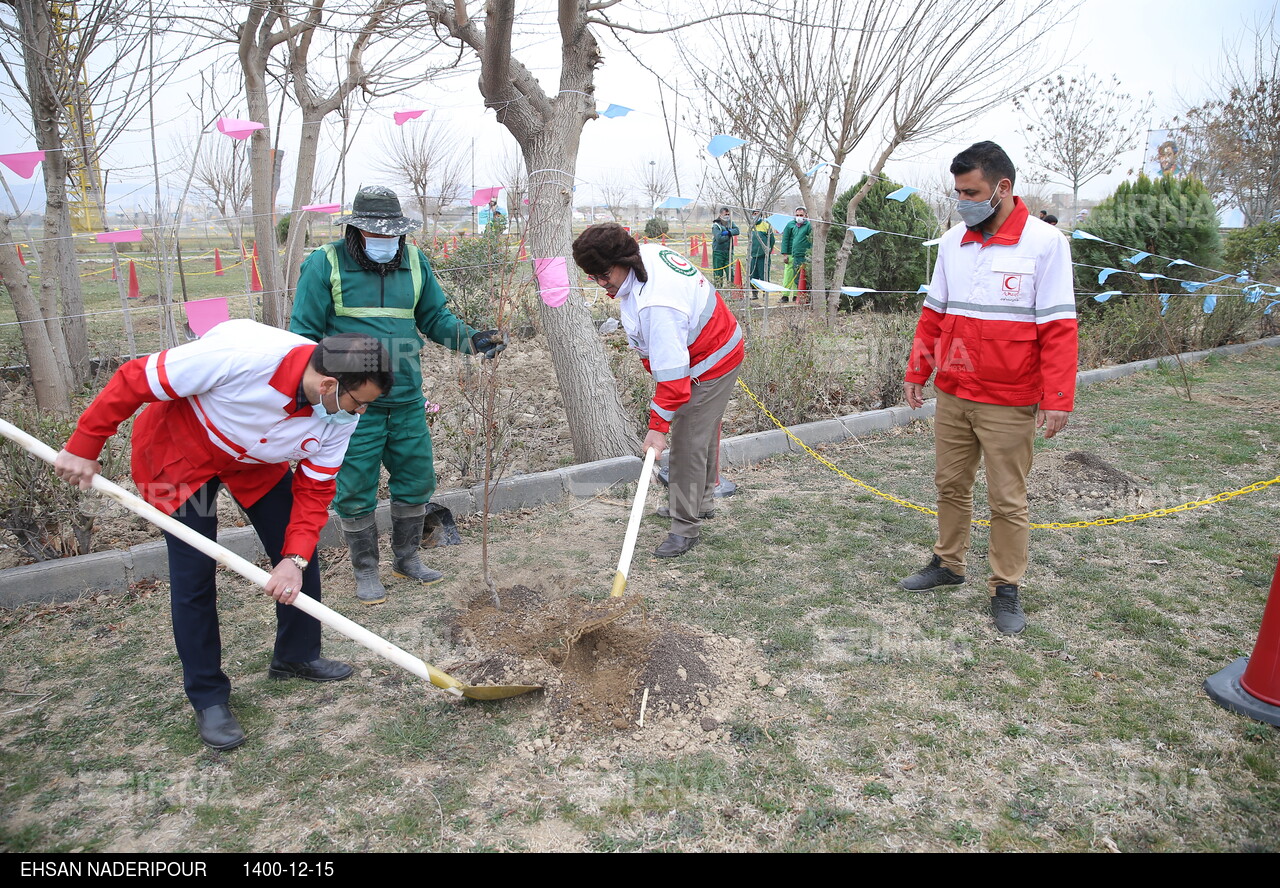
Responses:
[69,578]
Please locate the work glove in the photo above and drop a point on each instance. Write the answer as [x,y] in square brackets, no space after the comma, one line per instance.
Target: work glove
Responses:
[488,343]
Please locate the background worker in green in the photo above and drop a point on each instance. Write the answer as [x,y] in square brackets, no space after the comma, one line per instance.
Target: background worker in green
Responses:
[762,241]
[372,282]
[723,231]
[797,238]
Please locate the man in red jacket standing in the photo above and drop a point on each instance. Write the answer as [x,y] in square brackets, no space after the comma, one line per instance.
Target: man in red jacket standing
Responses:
[999,327]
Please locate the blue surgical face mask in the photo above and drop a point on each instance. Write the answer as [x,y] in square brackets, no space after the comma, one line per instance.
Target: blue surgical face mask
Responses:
[338,417]
[381,249]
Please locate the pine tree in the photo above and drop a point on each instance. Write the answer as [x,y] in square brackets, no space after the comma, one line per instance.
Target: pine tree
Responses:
[883,261]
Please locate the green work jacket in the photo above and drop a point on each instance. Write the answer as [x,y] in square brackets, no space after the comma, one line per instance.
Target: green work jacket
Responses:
[336,295]
[796,241]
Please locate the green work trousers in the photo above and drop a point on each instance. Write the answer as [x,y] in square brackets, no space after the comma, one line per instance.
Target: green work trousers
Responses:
[395,436]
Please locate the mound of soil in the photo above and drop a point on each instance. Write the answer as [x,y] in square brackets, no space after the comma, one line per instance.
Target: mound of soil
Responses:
[595,660]
[1086,483]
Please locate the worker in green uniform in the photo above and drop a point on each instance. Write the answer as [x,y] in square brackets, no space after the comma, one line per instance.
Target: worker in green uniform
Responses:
[372,282]
[762,241]
[797,238]
[723,231]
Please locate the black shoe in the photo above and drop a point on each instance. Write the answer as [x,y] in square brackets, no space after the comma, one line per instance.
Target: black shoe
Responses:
[1006,611]
[931,577]
[319,669]
[665,512]
[674,546]
[218,728]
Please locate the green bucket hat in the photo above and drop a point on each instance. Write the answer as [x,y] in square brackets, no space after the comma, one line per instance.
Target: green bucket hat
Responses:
[376,209]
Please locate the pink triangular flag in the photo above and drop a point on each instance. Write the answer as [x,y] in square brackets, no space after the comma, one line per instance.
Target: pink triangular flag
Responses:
[402,116]
[127,236]
[238,129]
[553,279]
[205,314]
[484,195]
[322,208]
[23,163]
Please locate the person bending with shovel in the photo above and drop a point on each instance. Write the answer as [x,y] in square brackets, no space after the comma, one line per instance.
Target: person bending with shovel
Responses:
[235,408]
[690,343]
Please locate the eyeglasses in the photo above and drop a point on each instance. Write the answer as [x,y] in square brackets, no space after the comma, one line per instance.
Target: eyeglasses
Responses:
[360,405]
[601,279]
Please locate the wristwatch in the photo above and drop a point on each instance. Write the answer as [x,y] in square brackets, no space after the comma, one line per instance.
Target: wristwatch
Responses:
[298,560]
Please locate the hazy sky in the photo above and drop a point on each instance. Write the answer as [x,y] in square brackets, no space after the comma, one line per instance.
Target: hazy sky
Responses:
[1171,49]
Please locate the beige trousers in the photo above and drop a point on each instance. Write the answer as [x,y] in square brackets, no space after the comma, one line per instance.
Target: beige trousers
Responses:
[964,433]
[695,452]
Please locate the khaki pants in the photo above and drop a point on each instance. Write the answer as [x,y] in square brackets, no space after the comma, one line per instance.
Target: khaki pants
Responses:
[964,432]
[695,452]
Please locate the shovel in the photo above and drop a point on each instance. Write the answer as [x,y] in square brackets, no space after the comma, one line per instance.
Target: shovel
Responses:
[609,611]
[633,527]
[255,574]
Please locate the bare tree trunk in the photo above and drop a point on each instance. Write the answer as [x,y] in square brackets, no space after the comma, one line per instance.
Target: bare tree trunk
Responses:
[46,374]
[61,299]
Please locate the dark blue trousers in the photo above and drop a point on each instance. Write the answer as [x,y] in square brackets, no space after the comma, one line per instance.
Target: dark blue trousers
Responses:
[194,597]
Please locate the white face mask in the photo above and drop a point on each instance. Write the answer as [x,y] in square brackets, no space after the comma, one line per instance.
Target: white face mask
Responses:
[381,249]
[800,220]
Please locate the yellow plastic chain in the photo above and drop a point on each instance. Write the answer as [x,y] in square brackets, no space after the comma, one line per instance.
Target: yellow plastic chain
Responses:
[1056,525]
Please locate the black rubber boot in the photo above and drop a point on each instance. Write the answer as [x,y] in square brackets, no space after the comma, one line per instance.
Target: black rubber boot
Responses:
[362,541]
[406,539]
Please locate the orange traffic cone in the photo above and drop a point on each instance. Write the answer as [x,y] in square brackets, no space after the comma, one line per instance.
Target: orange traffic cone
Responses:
[706,262]
[693,245]
[255,249]
[255,282]
[113,272]
[664,240]
[801,283]
[1251,685]
[243,254]
[217,263]
[524,255]
[737,274]
[21,258]
[134,290]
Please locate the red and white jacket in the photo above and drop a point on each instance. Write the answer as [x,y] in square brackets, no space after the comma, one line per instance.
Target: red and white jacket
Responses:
[999,321]
[224,406]
[681,327]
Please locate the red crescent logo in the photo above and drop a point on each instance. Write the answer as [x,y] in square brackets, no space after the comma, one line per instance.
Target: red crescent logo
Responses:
[1011,281]
[309,445]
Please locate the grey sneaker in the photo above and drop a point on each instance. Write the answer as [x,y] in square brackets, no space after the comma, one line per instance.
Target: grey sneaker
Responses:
[931,576]
[1006,611]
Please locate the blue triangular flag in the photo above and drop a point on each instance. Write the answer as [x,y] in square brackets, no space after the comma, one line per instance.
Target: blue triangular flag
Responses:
[861,234]
[1267,310]
[1243,277]
[721,145]
[902,193]
[1151,276]
[1137,257]
[815,169]
[924,288]
[1164,302]
[1178,262]
[856,291]
[674,203]
[1193,286]
[1107,272]
[780,220]
[1103,297]
[616,111]
[1210,302]
[1081,234]
[1220,279]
